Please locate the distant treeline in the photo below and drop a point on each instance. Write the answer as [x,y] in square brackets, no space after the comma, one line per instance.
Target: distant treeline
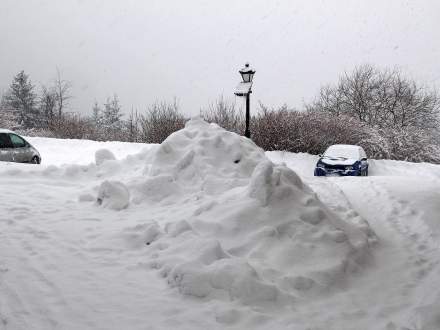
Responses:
[388,114]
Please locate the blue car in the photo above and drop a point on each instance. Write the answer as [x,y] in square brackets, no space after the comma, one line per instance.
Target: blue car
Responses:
[342,160]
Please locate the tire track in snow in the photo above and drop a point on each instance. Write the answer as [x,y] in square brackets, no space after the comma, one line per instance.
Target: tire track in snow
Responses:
[23,291]
[418,239]
[29,296]
[58,276]
[425,260]
[406,245]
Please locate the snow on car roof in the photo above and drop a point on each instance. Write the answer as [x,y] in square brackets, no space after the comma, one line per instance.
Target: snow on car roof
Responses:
[345,146]
[343,150]
[4,130]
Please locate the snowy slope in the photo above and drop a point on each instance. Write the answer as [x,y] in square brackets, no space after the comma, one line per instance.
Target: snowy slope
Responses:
[204,232]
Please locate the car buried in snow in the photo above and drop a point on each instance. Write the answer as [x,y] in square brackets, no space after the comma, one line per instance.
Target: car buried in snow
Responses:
[342,160]
[14,148]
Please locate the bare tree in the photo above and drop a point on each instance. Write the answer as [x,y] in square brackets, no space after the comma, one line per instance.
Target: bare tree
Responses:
[97,114]
[381,98]
[62,91]
[48,101]
[132,126]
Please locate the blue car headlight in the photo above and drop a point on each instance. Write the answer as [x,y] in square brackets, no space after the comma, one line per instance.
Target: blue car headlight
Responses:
[353,167]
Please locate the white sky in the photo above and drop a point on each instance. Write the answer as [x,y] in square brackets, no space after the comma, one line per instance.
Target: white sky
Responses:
[147,50]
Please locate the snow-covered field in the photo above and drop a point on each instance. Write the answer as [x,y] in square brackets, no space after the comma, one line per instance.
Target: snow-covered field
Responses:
[205,231]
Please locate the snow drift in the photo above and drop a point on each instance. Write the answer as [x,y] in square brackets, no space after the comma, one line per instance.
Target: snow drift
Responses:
[245,241]
[240,227]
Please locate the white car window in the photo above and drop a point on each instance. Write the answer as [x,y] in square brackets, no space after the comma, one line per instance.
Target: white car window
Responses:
[17,141]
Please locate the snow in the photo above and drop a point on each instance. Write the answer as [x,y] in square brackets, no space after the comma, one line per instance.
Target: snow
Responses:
[103,155]
[113,195]
[235,206]
[80,152]
[343,150]
[206,231]
[339,161]
[243,88]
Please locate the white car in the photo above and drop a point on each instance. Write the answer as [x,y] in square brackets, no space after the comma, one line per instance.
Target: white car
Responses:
[14,148]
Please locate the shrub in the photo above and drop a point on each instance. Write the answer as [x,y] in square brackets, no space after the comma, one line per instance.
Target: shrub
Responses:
[71,126]
[310,132]
[224,114]
[160,121]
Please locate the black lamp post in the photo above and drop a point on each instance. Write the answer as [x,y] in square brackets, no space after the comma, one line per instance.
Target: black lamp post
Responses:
[244,89]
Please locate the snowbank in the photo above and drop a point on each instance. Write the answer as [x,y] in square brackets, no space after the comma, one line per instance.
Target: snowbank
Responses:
[239,241]
[243,228]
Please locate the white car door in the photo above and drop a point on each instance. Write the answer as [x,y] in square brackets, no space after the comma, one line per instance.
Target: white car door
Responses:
[20,148]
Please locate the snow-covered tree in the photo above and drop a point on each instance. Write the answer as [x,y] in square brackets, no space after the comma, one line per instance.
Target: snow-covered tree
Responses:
[111,114]
[21,97]
[381,98]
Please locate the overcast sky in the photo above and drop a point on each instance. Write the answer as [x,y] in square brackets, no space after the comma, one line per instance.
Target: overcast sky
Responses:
[147,50]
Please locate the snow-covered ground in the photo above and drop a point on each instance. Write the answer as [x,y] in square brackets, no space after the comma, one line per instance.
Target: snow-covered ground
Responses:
[204,232]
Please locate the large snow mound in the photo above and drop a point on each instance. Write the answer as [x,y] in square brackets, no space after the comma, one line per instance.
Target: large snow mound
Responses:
[240,227]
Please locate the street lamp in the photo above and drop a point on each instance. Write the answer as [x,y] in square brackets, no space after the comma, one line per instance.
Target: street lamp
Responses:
[244,89]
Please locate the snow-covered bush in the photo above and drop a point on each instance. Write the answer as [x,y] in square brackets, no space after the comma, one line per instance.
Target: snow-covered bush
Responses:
[313,131]
[160,121]
[412,144]
[9,118]
[374,143]
[310,132]
[224,114]
[70,126]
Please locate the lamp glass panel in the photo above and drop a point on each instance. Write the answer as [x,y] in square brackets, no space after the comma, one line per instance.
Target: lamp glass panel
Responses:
[246,76]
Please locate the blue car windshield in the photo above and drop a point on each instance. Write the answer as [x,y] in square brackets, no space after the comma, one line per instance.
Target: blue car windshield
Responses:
[342,151]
